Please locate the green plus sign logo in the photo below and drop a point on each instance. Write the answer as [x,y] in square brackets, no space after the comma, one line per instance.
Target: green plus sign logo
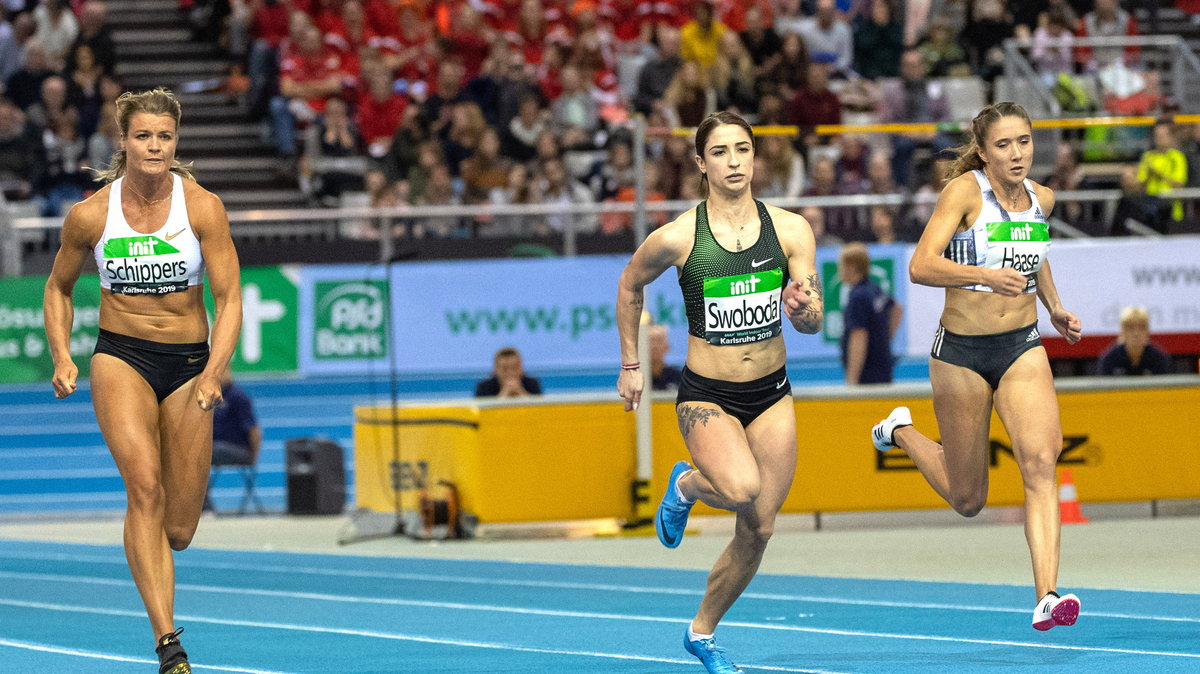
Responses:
[350,320]
[836,293]
[269,320]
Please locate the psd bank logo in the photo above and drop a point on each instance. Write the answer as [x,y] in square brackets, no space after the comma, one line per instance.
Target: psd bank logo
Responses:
[350,320]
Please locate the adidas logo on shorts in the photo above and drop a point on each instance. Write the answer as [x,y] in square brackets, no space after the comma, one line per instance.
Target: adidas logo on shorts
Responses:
[1033,334]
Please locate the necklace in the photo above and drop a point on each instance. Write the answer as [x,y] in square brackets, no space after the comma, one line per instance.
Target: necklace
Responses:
[149,202]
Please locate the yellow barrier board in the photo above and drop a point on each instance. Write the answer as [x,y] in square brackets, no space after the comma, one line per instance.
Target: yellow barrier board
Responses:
[555,461]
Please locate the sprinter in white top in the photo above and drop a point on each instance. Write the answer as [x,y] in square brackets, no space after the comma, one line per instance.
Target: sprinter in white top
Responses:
[155,379]
[986,244]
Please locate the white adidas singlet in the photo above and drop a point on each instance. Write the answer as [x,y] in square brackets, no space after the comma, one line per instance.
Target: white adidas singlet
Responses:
[166,261]
[999,239]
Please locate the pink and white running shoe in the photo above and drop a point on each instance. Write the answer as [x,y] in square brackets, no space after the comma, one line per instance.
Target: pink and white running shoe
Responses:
[1053,610]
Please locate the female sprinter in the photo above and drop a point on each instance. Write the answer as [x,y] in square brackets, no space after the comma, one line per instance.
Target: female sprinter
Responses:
[155,381]
[742,265]
[986,244]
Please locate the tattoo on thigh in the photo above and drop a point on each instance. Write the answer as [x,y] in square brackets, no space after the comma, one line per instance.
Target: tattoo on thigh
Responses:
[689,416]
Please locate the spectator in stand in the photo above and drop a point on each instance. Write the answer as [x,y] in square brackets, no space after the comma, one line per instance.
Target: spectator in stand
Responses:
[733,77]
[520,143]
[83,89]
[104,142]
[307,80]
[379,112]
[762,42]
[658,73]
[852,163]
[663,377]
[65,179]
[269,25]
[790,73]
[52,102]
[337,136]
[615,171]
[883,224]
[347,32]
[700,38]
[828,35]
[516,83]
[402,154]
[878,42]
[1068,176]
[841,221]
[816,219]
[24,87]
[548,147]
[676,166]
[784,166]
[914,98]
[440,191]
[508,378]
[943,56]
[22,156]
[11,47]
[690,98]
[1106,20]
[1052,44]
[1135,205]
[56,30]
[870,319]
[815,103]
[520,189]
[1133,354]
[576,107]
[463,135]
[559,188]
[612,222]
[485,170]
[934,180]
[987,28]
[790,15]
[1163,169]
[447,93]
[429,155]
[95,34]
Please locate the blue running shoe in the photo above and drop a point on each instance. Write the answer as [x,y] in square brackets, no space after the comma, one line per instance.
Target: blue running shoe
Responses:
[712,655]
[672,513]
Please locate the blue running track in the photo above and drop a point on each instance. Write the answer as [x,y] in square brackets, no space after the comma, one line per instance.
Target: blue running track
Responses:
[73,608]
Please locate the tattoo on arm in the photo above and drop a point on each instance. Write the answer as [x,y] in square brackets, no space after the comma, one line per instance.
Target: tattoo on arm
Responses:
[689,416]
[809,320]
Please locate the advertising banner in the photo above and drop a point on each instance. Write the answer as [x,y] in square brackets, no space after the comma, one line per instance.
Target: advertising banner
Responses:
[1095,279]
[24,354]
[270,304]
[454,316]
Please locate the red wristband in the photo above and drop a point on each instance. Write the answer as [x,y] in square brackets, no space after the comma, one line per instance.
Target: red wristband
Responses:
[630,366]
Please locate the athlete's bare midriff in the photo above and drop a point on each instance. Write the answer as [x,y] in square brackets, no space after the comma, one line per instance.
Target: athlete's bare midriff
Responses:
[175,318]
[970,312]
[745,362]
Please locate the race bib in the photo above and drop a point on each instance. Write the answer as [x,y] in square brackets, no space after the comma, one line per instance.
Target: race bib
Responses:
[1021,246]
[144,265]
[742,309]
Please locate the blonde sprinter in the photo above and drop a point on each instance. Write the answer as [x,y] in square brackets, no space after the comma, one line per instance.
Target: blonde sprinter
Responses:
[155,380]
[742,267]
[986,243]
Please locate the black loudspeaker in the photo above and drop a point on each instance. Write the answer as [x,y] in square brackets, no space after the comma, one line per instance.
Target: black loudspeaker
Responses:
[316,477]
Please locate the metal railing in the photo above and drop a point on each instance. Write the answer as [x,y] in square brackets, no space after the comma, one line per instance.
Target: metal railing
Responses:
[389,224]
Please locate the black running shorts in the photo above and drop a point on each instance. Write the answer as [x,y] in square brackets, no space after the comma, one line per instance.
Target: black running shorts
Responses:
[988,355]
[165,367]
[744,400]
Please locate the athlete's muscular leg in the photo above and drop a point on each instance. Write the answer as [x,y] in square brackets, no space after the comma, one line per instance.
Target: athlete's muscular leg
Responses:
[726,474]
[1028,408]
[772,443]
[128,414]
[185,435]
[957,468]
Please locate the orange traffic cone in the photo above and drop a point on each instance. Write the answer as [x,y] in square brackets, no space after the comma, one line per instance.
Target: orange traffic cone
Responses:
[1068,501]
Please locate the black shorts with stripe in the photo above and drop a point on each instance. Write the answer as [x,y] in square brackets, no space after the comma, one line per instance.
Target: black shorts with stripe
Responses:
[988,355]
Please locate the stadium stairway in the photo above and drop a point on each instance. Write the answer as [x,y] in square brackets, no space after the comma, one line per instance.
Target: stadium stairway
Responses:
[155,47]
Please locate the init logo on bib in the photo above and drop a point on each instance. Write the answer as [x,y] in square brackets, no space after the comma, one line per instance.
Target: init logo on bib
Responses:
[742,309]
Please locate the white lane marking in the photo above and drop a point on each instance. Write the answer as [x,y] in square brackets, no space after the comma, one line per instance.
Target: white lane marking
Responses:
[387,635]
[59,650]
[566,585]
[589,615]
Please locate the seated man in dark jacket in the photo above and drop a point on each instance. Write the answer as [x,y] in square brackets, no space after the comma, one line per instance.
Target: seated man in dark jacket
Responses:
[508,378]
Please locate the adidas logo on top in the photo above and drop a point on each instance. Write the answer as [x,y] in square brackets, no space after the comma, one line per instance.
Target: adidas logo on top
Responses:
[1033,334]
